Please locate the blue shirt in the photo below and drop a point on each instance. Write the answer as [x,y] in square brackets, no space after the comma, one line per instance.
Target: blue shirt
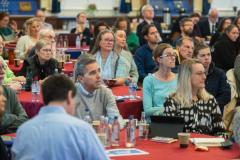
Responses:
[55,135]
[155,93]
[144,61]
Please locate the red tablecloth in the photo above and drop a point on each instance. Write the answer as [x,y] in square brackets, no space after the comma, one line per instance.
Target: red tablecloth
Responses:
[68,68]
[126,108]
[161,151]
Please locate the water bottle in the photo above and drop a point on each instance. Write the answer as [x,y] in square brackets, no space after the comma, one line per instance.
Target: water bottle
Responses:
[65,42]
[166,16]
[108,131]
[141,126]
[78,42]
[35,89]
[132,88]
[87,118]
[102,131]
[115,132]
[60,42]
[28,80]
[130,132]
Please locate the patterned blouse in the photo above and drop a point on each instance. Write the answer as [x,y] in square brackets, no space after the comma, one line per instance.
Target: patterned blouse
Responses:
[202,117]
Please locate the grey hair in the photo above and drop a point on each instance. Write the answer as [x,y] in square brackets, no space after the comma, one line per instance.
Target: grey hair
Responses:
[84,60]
[145,7]
[44,32]
[41,43]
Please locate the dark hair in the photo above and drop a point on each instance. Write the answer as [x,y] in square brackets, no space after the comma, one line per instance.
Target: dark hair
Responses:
[80,14]
[221,23]
[180,41]
[146,29]
[229,28]
[184,20]
[236,20]
[195,14]
[56,88]
[120,19]
[96,46]
[199,47]
[3,14]
[158,51]
[96,30]
[82,62]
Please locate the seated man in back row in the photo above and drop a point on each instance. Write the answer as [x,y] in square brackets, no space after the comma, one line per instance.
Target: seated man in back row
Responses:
[91,95]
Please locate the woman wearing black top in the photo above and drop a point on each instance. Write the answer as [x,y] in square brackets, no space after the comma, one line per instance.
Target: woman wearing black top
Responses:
[225,50]
[42,64]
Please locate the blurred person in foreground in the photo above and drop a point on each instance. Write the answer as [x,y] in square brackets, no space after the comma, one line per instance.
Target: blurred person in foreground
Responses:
[55,134]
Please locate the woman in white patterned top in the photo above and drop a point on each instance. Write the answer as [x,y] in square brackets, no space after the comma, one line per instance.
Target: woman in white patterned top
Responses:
[191,101]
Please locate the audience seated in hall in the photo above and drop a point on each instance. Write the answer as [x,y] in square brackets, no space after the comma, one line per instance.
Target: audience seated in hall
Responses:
[216,80]
[14,115]
[123,23]
[111,64]
[25,43]
[208,26]
[143,56]
[186,27]
[41,64]
[225,51]
[40,14]
[157,86]
[54,133]
[223,24]
[191,101]
[6,32]
[10,79]
[91,94]
[82,28]
[148,15]
[121,49]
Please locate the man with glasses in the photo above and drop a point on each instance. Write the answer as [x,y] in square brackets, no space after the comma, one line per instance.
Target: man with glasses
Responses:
[186,27]
[144,56]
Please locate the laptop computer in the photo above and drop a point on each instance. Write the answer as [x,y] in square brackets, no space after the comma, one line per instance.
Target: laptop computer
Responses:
[165,126]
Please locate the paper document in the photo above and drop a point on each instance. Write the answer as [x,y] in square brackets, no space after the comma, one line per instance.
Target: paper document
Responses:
[208,142]
[125,152]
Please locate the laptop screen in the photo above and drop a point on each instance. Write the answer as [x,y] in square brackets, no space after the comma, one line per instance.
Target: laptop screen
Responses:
[165,126]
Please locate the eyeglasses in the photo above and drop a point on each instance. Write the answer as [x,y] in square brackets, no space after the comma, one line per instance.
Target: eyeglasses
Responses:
[108,40]
[174,55]
[47,50]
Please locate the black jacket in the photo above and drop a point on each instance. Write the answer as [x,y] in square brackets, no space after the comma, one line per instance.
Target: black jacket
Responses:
[86,35]
[3,151]
[217,85]
[204,27]
[40,70]
[142,41]
[224,52]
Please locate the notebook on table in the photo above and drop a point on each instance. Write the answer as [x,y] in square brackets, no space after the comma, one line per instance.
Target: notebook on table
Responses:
[165,126]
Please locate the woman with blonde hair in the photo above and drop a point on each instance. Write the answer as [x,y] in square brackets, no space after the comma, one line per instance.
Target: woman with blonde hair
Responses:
[157,86]
[191,101]
[25,43]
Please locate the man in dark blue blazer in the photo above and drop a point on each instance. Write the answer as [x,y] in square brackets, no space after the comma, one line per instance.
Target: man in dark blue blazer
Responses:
[148,15]
[209,25]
